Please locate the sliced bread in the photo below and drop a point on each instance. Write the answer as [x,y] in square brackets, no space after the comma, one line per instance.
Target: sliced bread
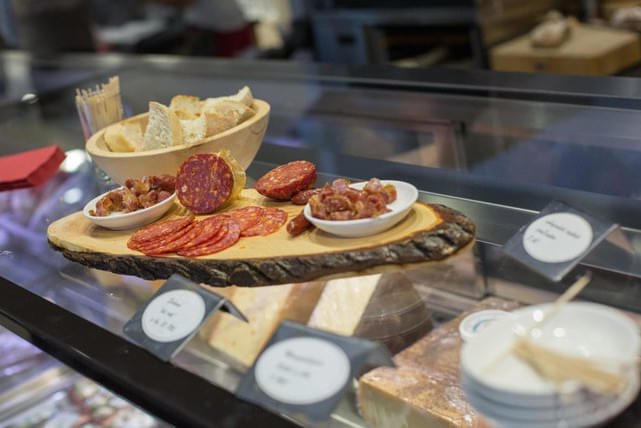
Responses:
[186,104]
[224,114]
[126,137]
[194,130]
[163,128]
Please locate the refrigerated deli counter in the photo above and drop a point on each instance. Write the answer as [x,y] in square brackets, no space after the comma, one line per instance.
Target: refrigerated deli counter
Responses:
[496,147]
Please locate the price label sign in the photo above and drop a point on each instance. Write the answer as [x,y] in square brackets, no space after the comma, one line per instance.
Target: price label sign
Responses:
[173,315]
[305,372]
[557,239]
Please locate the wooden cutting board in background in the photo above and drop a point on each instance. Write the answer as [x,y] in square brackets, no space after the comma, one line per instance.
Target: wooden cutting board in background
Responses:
[429,233]
[589,50]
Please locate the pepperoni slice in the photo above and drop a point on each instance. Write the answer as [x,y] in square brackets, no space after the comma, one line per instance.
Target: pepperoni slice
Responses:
[230,231]
[285,181]
[247,216]
[200,233]
[272,220]
[152,247]
[204,182]
[158,230]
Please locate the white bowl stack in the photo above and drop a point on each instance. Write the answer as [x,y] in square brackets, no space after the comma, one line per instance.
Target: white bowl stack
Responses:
[509,392]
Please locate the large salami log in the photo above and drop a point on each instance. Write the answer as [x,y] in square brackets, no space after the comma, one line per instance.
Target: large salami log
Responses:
[428,234]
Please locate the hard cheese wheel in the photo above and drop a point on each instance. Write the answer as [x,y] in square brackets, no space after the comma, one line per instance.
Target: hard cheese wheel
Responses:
[285,181]
[206,181]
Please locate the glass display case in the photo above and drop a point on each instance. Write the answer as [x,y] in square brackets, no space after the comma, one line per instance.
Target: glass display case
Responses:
[496,146]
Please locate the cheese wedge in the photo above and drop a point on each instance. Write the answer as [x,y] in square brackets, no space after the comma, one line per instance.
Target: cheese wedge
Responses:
[265,308]
[343,304]
[424,389]
[385,308]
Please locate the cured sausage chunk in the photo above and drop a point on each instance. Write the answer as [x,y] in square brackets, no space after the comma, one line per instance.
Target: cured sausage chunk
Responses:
[272,220]
[285,181]
[298,224]
[227,236]
[159,230]
[204,182]
[302,197]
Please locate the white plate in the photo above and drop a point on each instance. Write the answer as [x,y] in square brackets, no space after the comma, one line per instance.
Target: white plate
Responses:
[122,221]
[507,416]
[576,406]
[406,195]
[580,328]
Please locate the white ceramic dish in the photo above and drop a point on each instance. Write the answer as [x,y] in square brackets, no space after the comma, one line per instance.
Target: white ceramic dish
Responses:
[507,416]
[579,329]
[406,196]
[122,221]
[566,407]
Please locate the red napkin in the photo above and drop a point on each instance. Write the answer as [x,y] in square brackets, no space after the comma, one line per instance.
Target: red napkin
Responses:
[29,168]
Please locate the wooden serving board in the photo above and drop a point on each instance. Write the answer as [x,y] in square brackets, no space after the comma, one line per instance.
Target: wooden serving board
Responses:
[429,233]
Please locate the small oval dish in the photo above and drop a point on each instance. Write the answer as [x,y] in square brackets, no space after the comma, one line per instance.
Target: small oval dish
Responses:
[122,221]
[407,194]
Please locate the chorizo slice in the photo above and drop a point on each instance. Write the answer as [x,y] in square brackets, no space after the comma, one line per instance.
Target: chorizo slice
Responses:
[246,216]
[272,220]
[200,233]
[227,236]
[283,182]
[156,246]
[158,230]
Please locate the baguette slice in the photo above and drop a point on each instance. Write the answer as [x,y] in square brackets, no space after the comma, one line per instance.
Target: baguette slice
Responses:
[125,137]
[243,96]
[163,129]
[186,103]
[225,114]
[194,130]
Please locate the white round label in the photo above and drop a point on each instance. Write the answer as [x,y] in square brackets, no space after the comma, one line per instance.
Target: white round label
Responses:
[557,238]
[302,370]
[173,315]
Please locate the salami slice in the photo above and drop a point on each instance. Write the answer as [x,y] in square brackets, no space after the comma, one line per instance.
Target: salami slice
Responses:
[230,231]
[247,216]
[204,182]
[152,247]
[285,181]
[200,233]
[158,230]
[272,220]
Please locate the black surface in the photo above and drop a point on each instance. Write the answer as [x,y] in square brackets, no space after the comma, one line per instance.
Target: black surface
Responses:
[172,394]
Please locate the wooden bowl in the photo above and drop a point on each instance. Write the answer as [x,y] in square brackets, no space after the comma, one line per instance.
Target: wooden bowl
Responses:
[243,141]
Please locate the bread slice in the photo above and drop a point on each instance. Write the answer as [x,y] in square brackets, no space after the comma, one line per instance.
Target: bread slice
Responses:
[223,114]
[194,130]
[125,137]
[163,129]
[185,115]
[217,123]
[243,96]
[186,104]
